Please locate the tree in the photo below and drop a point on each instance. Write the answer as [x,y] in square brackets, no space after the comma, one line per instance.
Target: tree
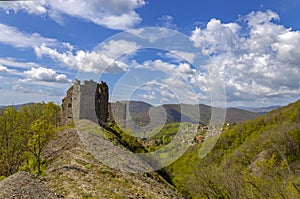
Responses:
[41,132]
[10,143]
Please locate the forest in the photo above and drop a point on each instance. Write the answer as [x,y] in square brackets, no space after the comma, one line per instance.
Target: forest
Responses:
[23,134]
[259,158]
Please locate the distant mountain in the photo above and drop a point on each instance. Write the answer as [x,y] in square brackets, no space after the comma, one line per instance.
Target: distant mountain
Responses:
[17,106]
[261,110]
[139,112]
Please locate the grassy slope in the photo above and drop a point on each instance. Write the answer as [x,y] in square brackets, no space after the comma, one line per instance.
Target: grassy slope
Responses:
[259,158]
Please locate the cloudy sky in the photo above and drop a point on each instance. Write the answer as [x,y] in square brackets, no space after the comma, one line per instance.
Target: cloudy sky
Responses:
[157,51]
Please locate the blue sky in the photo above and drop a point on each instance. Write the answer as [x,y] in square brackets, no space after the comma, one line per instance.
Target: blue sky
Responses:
[249,49]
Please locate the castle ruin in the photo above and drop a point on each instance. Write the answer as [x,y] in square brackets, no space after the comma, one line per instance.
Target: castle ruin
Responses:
[89,100]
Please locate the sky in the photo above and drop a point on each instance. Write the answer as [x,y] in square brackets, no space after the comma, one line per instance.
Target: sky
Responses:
[232,53]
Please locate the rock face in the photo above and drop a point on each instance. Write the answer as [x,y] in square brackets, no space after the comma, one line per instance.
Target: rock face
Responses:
[24,185]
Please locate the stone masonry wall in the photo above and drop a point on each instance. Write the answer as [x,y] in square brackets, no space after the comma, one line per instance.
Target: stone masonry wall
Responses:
[67,114]
[101,103]
[89,100]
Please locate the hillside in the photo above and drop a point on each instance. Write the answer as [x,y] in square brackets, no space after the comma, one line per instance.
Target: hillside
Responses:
[73,172]
[84,162]
[262,110]
[259,158]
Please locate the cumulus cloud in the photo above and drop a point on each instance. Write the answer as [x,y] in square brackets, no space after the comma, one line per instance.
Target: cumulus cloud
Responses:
[180,83]
[114,14]
[101,60]
[117,48]
[216,38]
[157,92]
[46,75]
[176,74]
[12,36]
[3,69]
[259,64]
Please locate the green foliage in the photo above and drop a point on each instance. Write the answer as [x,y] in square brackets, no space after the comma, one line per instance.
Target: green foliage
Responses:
[255,159]
[23,135]
[125,139]
[2,178]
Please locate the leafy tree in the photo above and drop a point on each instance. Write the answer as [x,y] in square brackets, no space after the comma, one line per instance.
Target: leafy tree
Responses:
[23,135]
[41,132]
[10,143]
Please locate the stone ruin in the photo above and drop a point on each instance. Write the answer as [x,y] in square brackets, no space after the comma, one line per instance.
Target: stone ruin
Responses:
[89,100]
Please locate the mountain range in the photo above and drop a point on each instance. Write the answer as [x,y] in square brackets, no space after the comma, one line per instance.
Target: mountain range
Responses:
[139,112]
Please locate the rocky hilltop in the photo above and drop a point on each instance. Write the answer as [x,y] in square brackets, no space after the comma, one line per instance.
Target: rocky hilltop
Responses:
[73,172]
[24,185]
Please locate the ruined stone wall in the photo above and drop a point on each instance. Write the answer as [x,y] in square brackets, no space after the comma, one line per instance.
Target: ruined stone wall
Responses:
[101,103]
[67,114]
[89,100]
[86,101]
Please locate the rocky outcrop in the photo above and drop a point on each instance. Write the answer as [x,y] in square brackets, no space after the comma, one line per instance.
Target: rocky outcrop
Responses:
[73,172]
[24,185]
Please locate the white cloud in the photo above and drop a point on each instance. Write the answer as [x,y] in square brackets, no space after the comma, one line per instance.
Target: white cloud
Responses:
[12,36]
[46,75]
[3,69]
[22,89]
[157,92]
[152,35]
[31,7]
[11,62]
[101,61]
[166,21]
[114,14]
[179,56]
[177,83]
[217,37]
[254,65]
[117,48]
[65,53]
